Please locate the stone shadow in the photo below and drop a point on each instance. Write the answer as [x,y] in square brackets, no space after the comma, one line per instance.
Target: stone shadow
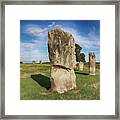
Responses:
[42,80]
[77,72]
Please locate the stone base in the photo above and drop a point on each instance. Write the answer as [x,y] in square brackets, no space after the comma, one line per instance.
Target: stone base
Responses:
[91,73]
[81,69]
[62,79]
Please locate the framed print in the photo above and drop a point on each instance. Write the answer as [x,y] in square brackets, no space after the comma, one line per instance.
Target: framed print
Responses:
[60,59]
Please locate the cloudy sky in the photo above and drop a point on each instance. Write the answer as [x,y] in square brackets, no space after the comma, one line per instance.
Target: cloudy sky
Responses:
[34,37]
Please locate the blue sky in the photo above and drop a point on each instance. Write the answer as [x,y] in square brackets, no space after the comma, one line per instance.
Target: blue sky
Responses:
[34,37]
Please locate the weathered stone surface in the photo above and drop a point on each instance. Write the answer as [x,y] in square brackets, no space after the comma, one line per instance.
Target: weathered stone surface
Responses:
[92,63]
[62,79]
[80,65]
[61,48]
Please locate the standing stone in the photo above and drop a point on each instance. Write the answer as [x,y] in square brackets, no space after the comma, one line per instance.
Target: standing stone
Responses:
[92,62]
[61,48]
[77,66]
[33,62]
[81,65]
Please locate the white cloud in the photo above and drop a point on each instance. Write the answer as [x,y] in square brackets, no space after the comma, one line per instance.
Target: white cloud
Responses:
[89,42]
[35,30]
[55,25]
[36,50]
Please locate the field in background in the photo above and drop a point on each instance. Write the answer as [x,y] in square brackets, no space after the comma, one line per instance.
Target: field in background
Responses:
[35,84]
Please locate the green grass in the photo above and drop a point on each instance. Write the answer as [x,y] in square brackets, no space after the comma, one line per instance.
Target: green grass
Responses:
[34,84]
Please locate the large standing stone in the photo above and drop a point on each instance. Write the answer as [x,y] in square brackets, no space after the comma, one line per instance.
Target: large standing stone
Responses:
[92,62]
[61,48]
[80,66]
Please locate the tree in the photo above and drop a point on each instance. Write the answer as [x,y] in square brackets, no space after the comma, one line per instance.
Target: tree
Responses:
[79,56]
[77,51]
[82,57]
[33,61]
[40,61]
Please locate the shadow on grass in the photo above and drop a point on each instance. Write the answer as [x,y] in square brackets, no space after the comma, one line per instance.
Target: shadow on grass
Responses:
[42,80]
[77,72]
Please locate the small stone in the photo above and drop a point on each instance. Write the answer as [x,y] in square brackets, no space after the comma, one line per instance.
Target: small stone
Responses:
[80,66]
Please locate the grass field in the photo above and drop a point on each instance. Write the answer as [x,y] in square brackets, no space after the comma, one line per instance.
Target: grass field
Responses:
[34,84]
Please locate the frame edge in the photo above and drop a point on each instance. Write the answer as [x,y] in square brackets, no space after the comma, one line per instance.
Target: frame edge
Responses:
[2,64]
